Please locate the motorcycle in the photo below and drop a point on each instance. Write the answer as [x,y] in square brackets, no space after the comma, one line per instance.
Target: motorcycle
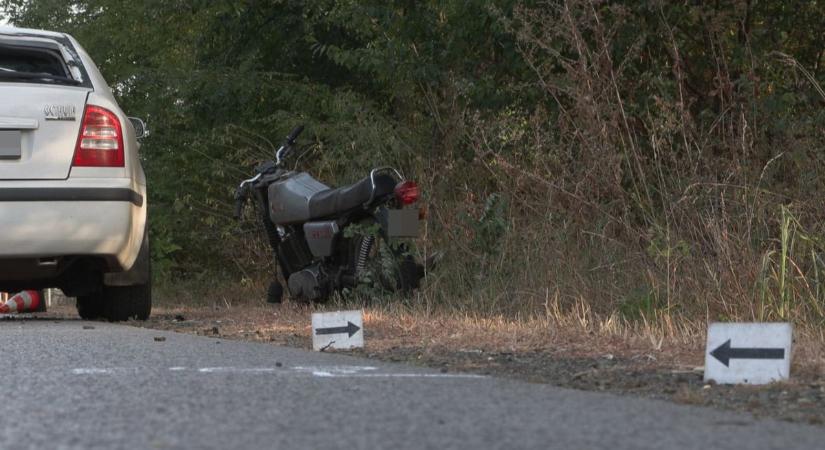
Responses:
[325,239]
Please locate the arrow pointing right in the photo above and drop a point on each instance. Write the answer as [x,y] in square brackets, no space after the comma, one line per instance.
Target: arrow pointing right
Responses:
[350,329]
[724,353]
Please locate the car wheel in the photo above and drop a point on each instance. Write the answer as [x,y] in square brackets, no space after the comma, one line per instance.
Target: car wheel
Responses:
[90,307]
[127,302]
[134,301]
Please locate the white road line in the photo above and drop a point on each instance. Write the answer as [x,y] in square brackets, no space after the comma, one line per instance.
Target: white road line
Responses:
[335,370]
[315,371]
[407,375]
[367,372]
[91,371]
[236,369]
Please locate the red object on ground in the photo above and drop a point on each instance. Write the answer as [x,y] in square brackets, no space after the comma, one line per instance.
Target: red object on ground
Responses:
[21,302]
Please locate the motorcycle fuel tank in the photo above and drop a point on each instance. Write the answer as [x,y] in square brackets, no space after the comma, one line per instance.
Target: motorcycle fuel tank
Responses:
[289,198]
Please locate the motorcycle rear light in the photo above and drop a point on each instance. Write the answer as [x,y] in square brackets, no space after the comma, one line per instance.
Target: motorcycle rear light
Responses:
[100,143]
[407,192]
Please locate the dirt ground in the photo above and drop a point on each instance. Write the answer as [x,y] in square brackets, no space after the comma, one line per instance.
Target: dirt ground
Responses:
[533,351]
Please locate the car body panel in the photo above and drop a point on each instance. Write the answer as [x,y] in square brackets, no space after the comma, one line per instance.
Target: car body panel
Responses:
[47,147]
[49,209]
[92,225]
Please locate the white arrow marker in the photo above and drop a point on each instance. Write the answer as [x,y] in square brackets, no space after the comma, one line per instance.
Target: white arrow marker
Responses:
[748,353]
[337,330]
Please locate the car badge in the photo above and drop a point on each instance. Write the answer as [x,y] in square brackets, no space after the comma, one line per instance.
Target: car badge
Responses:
[60,112]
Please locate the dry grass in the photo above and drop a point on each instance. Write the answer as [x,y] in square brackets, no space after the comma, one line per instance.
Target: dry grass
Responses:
[390,328]
[574,331]
[654,219]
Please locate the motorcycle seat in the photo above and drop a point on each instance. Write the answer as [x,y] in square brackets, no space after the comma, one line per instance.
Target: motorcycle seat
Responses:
[334,201]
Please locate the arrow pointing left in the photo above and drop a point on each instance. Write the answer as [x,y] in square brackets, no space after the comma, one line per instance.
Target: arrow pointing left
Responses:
[724,353]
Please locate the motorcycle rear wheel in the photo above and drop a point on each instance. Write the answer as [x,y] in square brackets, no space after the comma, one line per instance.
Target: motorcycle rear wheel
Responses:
[380,265]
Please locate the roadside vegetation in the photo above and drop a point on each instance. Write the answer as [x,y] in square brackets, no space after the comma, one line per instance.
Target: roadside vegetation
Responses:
[652,163]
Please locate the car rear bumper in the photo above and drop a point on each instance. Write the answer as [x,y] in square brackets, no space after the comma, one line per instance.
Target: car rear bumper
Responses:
[76,217]
[49,195]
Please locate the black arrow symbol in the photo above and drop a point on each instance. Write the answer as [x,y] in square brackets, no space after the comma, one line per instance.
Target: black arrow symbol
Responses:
[350,329]
[724,353]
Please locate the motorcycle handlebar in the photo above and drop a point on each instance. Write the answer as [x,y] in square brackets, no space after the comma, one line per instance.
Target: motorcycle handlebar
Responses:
[294,134]
[241,193]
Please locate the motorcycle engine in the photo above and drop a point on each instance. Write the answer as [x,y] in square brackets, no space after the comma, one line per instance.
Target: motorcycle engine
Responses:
[294,252]
[307,284]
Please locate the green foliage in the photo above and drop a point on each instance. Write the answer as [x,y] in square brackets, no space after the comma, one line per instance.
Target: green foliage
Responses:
[490,228]
[640,303]
[656,142]
[792,273]
[220,84]
[379,279]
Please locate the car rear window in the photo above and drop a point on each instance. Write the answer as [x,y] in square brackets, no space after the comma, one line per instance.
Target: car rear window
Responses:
[32,61]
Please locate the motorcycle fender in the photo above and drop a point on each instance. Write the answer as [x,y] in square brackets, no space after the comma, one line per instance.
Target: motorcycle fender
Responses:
[399,222]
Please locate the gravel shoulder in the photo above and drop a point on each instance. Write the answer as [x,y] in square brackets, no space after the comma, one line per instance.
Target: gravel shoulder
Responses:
[534,352]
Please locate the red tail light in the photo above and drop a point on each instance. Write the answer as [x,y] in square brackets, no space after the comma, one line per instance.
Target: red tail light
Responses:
[100,143]
[407,192]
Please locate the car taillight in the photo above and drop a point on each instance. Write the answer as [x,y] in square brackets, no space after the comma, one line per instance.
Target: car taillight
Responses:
[100,143]
[407,192]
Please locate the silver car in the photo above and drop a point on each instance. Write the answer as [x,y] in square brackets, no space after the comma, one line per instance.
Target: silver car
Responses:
[72,189]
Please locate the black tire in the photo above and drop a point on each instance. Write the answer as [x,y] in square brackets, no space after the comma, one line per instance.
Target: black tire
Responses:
[117,303]
[127,302]
[90,307]
[135,301]
[275,293]
[410,274]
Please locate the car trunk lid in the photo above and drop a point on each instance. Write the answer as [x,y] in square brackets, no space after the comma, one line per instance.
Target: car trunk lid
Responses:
[39,125]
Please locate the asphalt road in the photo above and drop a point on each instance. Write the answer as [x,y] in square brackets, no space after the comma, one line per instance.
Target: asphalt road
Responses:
[114,386]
